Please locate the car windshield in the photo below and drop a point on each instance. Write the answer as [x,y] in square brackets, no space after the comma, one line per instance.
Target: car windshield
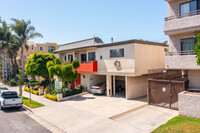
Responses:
[9,94]
[100,84]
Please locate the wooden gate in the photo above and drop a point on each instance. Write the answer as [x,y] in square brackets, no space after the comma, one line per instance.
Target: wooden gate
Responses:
[164,91]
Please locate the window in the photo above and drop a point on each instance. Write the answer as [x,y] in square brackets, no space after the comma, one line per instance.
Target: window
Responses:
[116,53]
[41,48]
[50,49]
[188,7]
[83,57]
[65,58]
[32,47]
[91,56]
[70,57]
[188,44]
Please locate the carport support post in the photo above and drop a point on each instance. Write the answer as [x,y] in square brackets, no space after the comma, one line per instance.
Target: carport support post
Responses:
[108,84]
[114,85]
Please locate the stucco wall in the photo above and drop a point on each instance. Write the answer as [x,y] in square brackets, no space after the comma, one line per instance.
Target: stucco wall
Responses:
[148,57]
[181,62]
[194,78]
[107,63]
[136,87]
[189,105]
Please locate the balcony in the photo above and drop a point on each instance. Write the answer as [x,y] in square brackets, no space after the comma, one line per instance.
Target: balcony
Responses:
[181,60]
[180,23]
[88,66]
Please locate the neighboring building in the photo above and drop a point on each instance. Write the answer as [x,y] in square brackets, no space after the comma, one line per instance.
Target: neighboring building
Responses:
[123,64]
[182,26]
[37,48]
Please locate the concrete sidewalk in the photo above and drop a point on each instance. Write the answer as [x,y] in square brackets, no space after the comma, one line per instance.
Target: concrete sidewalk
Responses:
[90,114]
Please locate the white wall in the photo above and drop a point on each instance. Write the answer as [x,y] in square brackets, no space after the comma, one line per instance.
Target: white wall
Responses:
[136,87]
[194,78]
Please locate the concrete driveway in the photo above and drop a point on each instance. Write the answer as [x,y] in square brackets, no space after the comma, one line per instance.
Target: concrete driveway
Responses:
[96,114]
[104,106]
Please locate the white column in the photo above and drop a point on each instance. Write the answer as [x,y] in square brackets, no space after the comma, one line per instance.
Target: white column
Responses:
[108,84]
[126,86]
[114,89]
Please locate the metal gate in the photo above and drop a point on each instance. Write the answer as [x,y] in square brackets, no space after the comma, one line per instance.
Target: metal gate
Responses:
[165,92]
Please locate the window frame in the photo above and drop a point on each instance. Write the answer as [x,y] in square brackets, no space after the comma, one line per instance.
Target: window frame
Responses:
[52,48]
[68,57]
[32,47]
[43,48]
[88,56]
[117,55]
[181,41]
[197,3]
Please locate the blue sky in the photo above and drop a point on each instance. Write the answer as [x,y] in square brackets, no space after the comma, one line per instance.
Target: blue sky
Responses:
[64,21]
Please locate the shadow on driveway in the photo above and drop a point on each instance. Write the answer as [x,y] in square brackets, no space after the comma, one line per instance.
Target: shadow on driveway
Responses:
[81,98]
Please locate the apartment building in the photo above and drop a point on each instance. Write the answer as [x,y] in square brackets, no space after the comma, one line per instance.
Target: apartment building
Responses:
[182,26]
[122,64]
[37,48]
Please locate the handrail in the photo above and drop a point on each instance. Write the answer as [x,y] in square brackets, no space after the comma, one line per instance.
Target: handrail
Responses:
[182,15]
[189,52]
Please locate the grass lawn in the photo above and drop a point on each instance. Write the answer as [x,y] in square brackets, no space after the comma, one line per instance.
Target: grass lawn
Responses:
[180,124]
[33,104]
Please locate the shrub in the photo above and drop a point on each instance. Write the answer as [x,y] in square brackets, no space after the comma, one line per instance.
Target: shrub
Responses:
[12,82]
[32,91]
[44,83]
[51,97]
[77,90]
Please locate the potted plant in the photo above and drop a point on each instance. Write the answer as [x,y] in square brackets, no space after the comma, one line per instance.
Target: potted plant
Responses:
[41,90]
[45,91]
[59,95]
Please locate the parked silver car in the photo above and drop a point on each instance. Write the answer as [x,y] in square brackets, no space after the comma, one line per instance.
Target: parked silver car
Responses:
[99,88]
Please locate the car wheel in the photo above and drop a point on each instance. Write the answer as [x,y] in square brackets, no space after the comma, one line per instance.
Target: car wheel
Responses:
[19,107]
[1,108]
[105,92]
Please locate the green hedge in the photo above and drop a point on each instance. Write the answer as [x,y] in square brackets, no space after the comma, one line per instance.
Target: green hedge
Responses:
[77,90]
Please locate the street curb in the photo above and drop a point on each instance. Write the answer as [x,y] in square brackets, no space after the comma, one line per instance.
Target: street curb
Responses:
[29,109]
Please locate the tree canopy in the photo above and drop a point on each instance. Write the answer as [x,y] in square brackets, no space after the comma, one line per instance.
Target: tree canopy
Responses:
[197,49]
[36,64]
[67,72]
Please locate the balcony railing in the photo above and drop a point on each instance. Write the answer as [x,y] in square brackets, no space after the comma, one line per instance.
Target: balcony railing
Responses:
[197,12]
[189,52]
[88,66]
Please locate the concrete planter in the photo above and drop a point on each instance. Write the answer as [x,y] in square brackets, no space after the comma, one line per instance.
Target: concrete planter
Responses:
[189,104]
[41,91]
[59,97]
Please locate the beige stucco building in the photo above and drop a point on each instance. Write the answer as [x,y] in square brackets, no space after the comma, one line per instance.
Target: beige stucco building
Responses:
[120,64]
[182,26]
[37,48]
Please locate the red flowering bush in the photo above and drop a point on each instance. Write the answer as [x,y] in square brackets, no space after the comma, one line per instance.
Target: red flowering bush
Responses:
[41,87]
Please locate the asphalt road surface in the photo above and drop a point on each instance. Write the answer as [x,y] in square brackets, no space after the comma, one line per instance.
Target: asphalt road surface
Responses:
[16,121]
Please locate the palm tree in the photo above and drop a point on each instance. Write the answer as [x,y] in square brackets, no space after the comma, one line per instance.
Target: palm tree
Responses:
[5,36]
[24,31]
[13,49]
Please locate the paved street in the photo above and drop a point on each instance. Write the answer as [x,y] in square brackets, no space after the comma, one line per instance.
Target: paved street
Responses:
[16,121]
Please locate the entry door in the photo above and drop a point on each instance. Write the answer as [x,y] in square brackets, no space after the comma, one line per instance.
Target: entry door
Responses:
[83,57]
